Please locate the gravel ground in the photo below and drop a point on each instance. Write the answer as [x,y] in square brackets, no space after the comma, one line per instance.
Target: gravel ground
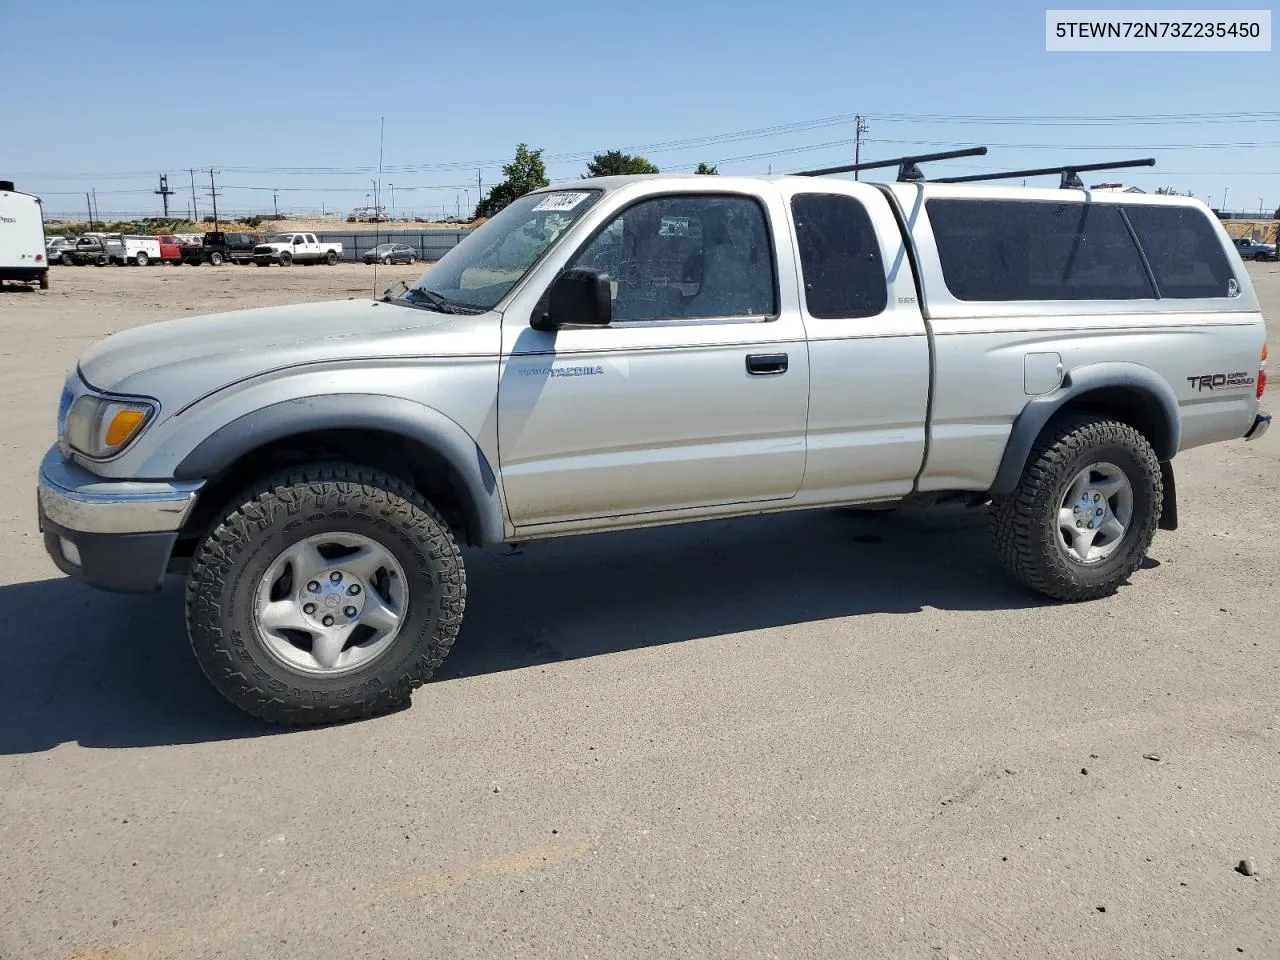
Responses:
[818,735]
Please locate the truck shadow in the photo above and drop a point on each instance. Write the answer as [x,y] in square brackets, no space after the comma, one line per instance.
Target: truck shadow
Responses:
[111,671]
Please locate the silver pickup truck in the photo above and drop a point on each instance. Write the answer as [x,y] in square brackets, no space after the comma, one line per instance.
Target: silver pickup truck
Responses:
[625,352]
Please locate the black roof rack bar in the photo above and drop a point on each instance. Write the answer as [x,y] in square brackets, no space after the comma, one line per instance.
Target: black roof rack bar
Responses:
[1070,174]
[908,167]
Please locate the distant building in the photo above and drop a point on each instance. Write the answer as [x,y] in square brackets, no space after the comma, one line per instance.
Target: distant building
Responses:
[1117,188]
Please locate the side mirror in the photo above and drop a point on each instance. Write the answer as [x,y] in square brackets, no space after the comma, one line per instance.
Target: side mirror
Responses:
[578,298]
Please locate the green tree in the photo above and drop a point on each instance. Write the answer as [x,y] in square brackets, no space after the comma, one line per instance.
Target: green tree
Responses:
[1171,192]
[708,169]
[525,173]
[615,163]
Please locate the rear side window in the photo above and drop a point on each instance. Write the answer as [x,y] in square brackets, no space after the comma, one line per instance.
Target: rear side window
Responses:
[1036,250]
[839,257]
[1183,250]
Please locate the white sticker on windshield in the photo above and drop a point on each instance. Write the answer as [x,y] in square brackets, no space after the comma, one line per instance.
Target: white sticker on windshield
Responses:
[561,201]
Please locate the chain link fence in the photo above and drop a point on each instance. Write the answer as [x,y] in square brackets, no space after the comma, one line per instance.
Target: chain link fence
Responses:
[427,244]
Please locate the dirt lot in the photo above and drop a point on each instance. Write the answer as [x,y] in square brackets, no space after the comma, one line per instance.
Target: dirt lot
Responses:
[815,735]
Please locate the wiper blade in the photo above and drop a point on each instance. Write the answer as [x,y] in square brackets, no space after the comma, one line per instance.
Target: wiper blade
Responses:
[440,303]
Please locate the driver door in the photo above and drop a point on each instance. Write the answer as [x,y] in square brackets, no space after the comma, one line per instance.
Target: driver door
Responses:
[695,396]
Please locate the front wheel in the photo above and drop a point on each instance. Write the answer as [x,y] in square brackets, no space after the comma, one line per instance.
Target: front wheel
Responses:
[328,594]
[286,259]
[1085,510]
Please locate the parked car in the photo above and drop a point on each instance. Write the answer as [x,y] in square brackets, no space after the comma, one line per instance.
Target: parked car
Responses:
[391,253]
[664,354]
[170,248]
[1251,249]
[140,250]
[219,247]
[287,249]
[23,253]
[54,246]
[97,250]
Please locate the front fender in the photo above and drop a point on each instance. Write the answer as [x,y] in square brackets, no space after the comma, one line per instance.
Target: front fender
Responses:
[1142,383]
[406,418]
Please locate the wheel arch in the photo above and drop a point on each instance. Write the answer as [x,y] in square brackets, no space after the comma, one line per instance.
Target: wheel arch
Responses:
[417,443]
[1128,392]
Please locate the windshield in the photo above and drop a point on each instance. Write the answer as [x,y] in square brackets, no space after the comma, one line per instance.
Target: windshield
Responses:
[479,271]
[282,238]
[384,248]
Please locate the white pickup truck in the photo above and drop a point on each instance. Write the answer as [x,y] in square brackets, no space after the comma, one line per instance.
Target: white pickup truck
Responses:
[287,249]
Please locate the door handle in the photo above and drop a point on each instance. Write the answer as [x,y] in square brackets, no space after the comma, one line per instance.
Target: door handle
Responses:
[766,364]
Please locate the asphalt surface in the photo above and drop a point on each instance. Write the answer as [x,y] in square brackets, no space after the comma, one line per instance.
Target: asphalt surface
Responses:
[815,735]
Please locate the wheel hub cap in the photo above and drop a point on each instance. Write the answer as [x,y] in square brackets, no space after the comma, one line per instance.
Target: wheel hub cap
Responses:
[330,603]
[1095,512]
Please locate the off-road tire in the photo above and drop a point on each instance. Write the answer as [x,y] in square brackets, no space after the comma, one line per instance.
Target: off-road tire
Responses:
[287,507]
[1024,528]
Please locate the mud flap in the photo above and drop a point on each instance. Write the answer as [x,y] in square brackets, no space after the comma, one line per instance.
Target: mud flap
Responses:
[1169,509]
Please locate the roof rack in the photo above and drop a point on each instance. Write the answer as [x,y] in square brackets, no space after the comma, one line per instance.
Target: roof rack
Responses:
[908,167]
[1070,174]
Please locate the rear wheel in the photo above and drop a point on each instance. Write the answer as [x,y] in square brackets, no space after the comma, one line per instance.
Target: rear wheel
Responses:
[1085,510]
[328,594]
[141,260]
[331,258]
[44,280]
[66,260]
[412,259]
[215,259]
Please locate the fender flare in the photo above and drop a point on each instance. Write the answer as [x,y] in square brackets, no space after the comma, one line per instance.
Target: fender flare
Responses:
[1131,377]
[482,498]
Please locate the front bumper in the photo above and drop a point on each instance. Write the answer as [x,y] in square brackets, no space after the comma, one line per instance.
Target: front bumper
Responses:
[113,534]
[1261,424]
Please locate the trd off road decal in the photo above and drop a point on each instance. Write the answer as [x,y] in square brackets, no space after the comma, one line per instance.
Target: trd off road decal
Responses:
[1221,381]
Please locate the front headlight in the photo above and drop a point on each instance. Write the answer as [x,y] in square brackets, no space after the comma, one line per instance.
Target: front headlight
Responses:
[100,427]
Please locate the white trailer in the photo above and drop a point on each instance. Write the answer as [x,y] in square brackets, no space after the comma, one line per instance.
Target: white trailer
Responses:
[22,246]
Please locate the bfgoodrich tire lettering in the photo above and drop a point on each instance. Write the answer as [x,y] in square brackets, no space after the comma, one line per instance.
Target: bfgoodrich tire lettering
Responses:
[228,567]
[1025,524]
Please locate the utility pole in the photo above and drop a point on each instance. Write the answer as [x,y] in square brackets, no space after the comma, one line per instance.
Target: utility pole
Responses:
[458,202]
[860,128]
[275,201]
[1224,199]
[479,188]
[195,210]
[97,209]
[213,195]
[393,200]
[165,193]
[90,206]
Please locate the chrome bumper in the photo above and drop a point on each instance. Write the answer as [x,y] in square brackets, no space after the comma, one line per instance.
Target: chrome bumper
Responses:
[113,534]
[75,499]
[1261,423]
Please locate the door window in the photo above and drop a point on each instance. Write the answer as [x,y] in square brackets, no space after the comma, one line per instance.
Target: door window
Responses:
[686,256]
[839,257]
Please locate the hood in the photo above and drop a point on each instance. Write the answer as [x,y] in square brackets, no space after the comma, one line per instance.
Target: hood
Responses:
[177,361]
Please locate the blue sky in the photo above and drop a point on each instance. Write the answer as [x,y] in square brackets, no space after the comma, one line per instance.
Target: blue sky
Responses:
[289,96]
